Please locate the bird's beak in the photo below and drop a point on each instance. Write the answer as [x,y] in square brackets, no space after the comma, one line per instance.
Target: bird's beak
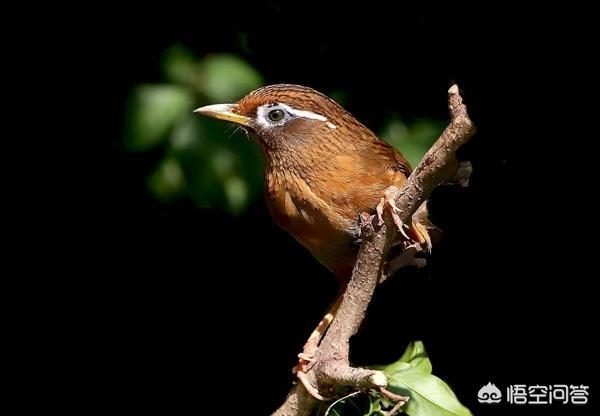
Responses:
[223,112]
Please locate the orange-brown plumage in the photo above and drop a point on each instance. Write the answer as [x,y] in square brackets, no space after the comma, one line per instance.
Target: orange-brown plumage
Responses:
[323,168]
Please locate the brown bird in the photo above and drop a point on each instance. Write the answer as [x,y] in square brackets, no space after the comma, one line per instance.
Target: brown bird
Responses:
[323,168]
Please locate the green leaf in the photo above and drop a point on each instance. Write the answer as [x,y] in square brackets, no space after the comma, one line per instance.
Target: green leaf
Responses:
[413,140]
[415,356]
[186,135]
[429,395]
[168,180]
[374,407]
[180,65]
[222,167]
[236,192]
[227,77]
[153,110]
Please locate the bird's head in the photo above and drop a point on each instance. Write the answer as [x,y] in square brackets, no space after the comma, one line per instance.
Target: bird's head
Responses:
[285,116]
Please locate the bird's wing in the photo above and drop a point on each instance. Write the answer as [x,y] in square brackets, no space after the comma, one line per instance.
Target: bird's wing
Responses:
[355,181]
[391,158]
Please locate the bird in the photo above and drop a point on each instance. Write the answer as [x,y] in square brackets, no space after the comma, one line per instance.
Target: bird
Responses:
[323,169]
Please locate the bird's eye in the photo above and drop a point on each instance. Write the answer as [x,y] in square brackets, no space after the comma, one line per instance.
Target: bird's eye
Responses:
[276,115]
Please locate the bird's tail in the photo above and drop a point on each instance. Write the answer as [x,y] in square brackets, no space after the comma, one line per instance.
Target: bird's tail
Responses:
[422,230]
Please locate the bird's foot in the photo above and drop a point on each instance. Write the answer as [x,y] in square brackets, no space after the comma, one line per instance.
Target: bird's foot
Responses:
[417,231]
[421,227]
[305,359]
[388,201]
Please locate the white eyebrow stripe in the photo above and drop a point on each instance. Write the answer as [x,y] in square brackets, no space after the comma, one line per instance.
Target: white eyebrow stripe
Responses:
[308,114]
[303,113]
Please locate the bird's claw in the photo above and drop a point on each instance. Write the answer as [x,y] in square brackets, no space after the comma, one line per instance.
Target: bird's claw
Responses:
[305,362]
[306,357]
[388,200]
[309,387]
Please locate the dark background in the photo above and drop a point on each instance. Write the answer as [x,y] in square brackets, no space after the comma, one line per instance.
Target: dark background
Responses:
[193,309]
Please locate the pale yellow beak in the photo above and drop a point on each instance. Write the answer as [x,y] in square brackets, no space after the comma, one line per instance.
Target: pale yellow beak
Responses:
[223,112]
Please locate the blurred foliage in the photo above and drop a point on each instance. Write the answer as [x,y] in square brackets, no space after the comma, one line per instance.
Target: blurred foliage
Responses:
[413,140]
[409,376]
[206,160]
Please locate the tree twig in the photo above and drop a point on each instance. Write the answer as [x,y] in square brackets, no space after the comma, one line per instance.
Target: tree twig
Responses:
[332,367]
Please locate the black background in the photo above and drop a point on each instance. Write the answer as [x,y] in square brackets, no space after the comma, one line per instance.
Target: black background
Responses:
[194,310]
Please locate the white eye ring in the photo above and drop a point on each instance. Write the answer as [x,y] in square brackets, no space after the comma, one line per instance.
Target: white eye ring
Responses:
[271,115]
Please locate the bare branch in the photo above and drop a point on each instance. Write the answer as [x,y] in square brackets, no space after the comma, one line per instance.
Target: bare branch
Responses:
[298,402]
[332,367]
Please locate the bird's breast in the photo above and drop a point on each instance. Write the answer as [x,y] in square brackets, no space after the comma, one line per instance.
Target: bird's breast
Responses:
[327,231]
[295,204]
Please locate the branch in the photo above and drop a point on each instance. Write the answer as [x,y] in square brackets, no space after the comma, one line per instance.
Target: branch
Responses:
[332,367]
